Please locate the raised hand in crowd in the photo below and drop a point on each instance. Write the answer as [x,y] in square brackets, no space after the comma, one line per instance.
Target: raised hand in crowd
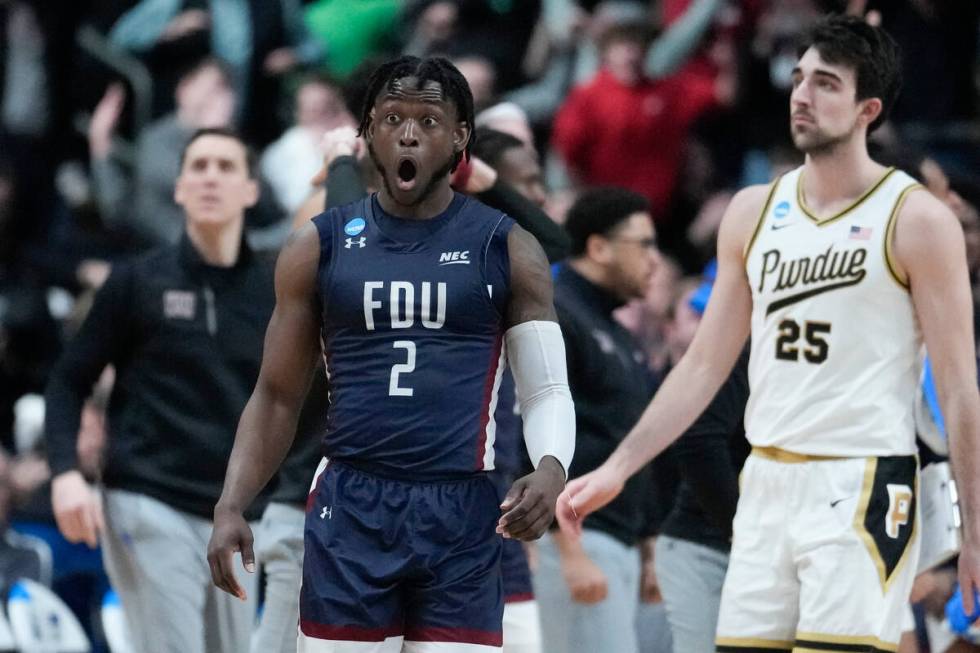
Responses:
[105,119]
[186,23]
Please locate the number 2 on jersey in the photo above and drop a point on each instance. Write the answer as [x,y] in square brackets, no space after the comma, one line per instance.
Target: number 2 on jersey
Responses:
[789,333]
[394,390]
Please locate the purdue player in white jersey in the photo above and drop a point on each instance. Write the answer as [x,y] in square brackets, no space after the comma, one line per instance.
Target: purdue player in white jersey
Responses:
[840,269]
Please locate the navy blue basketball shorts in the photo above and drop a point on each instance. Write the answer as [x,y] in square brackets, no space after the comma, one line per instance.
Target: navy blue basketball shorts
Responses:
[393,565]
[517,574]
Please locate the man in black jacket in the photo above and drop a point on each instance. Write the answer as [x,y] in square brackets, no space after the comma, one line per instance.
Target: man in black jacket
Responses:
[183,326]
[589,590]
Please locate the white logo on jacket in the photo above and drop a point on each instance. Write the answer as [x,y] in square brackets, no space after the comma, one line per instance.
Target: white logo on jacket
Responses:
[179,304]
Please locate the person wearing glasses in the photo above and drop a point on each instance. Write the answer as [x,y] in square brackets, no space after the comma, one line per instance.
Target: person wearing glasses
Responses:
[589,591]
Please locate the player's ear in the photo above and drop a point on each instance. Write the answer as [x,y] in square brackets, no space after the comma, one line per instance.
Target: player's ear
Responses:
[369,130]
[461,136]
[871,110]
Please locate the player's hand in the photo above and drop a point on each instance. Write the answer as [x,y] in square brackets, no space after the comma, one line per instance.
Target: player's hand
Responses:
[231,535]
[584,495]
[529,507]
[585,579]
[969,572]
[77,508]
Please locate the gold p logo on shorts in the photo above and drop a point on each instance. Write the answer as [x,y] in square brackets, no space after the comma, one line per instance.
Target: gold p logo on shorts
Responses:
[899,508]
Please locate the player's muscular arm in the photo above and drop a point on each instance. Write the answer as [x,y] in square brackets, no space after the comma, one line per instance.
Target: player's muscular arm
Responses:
[531,290]
[930,253]
[536,355]
[268,422]
[691,385]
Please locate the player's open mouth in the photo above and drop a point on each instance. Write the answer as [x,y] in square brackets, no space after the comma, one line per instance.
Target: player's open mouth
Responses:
[407,173]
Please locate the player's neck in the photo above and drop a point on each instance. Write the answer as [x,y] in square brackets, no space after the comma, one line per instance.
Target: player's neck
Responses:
[433,204]
[218,245]
[838,177]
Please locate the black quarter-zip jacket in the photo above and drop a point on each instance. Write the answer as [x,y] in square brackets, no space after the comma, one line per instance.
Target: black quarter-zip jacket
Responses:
[611,388]
[185,338]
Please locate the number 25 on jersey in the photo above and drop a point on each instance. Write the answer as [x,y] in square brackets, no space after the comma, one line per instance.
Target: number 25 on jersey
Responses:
[814,350]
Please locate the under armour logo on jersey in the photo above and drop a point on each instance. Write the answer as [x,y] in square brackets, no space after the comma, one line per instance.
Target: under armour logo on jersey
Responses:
[326,513]
[355,241]
[455,258]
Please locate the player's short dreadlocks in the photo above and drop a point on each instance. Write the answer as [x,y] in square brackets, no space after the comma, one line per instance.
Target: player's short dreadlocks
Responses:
[433,69]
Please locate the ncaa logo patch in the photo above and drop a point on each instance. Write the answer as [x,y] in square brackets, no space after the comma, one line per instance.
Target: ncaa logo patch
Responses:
[355,226]
[781,210]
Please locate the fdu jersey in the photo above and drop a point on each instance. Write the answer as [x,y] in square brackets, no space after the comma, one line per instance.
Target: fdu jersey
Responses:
[412,335]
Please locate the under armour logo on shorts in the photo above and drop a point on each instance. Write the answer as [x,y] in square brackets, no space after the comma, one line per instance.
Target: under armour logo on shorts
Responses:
[326,513]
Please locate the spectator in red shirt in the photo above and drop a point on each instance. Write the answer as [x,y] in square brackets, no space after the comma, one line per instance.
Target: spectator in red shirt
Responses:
[626,129]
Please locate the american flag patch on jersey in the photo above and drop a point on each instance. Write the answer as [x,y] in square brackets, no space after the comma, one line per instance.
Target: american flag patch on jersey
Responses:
[860,233]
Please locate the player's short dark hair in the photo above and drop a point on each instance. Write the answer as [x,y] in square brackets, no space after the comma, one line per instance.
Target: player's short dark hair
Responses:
[870,51]
[491,144]
[431,69]
[250,161]
[600,211]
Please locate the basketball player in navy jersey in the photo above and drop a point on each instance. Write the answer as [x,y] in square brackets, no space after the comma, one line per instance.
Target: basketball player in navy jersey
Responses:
[412,295]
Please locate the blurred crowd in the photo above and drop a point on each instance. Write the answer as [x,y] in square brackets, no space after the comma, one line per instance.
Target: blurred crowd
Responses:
[680,101]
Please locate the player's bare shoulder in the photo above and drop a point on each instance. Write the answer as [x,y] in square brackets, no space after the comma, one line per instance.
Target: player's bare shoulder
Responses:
[924,227]
[296,268]
[921,210]
[743,217]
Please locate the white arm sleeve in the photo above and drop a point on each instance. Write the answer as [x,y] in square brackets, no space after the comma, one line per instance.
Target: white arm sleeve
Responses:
[536,353]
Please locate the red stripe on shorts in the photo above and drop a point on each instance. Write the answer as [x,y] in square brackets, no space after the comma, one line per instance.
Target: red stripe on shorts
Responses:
[454,635]
[348,633]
